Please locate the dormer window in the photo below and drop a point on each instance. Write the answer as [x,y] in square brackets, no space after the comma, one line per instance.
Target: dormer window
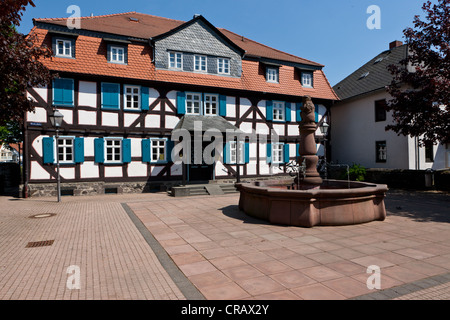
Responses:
[63,48]
[117,54]
[272,74]
[307,79]
[175,60]
[200,63]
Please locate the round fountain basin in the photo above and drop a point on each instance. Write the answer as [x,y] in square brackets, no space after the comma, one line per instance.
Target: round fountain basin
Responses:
[333,203]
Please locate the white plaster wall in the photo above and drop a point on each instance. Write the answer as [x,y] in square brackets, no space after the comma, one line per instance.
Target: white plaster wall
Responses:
[262,107]
[87,117]
[129,118]
[39,115]
[231,107]
[245,104]
[37,172]
[152,121]
[172,97]
[110,119]
[136,147]
[42,92]
[89,169]
[354,133]
[171,121]
[113,172]
[67,173]
[87,96]
[68,116]
[152,95]
[137,169]
[156,170]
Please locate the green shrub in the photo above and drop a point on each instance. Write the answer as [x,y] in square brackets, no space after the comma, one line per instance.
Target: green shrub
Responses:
[357,172]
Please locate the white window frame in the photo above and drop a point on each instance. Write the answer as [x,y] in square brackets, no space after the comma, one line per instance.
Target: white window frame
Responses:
[278,153]
[6,156]
[223,66]
[279,111]
[177,65]
[117,150]
[132,97]
[234,154]
[157,148]
[122,49]
[65,146]
[190,108]
[64,54]
[307,79]
[208,103]
[272,74]
[198,63]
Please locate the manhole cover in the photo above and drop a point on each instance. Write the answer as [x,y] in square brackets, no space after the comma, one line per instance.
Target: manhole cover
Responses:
[42,215]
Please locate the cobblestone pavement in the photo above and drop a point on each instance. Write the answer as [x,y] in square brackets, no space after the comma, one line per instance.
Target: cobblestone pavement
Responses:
[156,247]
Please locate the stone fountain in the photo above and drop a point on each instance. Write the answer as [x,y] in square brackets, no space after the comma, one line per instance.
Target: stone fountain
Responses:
[309,200]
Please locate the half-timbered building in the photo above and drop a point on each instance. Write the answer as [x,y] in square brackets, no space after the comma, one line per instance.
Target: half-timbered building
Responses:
[126,81]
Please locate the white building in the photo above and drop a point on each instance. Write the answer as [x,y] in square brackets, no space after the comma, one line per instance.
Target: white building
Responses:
[359,119]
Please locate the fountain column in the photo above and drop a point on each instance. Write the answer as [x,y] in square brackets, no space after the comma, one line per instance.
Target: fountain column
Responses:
[308,151]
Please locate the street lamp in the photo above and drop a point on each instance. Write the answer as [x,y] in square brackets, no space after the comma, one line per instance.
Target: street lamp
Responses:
[324,130]
[56,120]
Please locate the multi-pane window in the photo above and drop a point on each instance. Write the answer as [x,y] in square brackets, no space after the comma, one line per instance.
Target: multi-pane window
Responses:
[132,97]
[237,154]
[158,150]
[223,66]
[117,54]
[200,63]
[113,150]
[278,111]
[272,74]
[307,79]
[211,104]
[5,156]
[277,152]
[380,110]
[193,103]
[65,150]
[63,48]
[175,60]
[381,151]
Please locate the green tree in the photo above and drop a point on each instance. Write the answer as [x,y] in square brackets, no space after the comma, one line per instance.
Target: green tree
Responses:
[423,108]
[20,63]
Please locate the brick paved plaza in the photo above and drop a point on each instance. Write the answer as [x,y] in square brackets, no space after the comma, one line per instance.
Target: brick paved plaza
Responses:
[156,247]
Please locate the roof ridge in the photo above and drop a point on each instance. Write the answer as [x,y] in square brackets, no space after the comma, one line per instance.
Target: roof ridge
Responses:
[264,45]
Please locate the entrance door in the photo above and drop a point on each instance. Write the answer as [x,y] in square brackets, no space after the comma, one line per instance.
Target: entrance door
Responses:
[200,172]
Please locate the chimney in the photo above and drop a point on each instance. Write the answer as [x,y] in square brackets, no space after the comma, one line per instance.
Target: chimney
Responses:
[395,44]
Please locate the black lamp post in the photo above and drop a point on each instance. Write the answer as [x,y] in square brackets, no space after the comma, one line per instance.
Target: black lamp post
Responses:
[56,120]
[324,130]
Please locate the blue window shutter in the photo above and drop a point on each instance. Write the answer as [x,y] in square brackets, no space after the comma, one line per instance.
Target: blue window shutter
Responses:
[79,150]
[298,111]
[286,153]
[297,148]
[247,152]
[222,106]
[63,92]
[169,147]
[288,111]
[145,98]
[269,153]
[226,153]
[269,110]
[146,150]
[110,95]
[316,112]
[181,102]
[99,149]
[126,150]
[48,150]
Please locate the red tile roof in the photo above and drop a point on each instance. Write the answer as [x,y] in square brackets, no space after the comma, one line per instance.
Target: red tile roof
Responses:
[91,57]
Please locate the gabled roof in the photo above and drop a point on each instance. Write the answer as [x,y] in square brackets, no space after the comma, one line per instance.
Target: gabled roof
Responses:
[145,26]
[373,75]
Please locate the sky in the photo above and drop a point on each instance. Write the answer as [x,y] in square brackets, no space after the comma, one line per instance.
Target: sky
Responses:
[331,32]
